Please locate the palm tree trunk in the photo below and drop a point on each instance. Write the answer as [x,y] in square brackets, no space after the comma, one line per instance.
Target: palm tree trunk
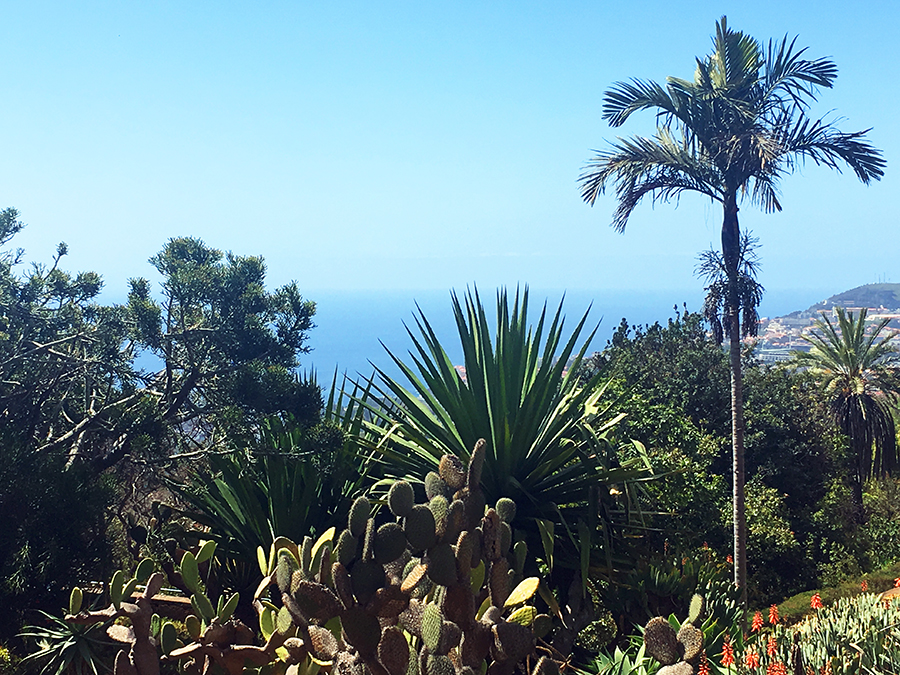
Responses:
[731,256]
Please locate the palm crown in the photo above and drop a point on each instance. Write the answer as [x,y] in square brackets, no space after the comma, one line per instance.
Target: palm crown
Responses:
[738,127]
[858,370]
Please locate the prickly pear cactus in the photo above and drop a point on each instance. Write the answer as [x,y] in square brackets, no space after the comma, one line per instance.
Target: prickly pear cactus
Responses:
[678,653]
[433,588]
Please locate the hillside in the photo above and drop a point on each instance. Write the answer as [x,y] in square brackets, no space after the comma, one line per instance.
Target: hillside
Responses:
[869,295]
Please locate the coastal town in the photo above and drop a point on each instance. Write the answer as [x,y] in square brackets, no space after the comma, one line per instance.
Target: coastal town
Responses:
[779,336]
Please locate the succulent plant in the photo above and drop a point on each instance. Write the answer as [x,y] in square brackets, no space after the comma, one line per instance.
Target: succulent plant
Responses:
[442,572]
[677,652]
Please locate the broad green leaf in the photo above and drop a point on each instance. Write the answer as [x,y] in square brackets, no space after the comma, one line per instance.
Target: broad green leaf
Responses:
[546,529]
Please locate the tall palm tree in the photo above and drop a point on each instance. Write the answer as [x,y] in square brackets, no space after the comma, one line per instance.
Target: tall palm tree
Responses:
[858,370]
[731,133]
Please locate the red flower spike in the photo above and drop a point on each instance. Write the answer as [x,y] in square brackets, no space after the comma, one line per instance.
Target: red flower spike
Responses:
[771,646]
[773,614]
[751,659]
[897,582]
[727,653]
[757,622]
[729,560]
[816,601]
[703,668]
[864,586]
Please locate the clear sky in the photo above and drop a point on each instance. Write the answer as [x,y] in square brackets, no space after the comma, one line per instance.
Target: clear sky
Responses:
[409,145]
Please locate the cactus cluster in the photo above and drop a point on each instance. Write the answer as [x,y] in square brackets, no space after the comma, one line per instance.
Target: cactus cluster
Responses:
[407,588]
[677,652]
[415,589]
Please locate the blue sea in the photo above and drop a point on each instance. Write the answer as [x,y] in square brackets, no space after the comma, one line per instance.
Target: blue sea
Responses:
[354,329]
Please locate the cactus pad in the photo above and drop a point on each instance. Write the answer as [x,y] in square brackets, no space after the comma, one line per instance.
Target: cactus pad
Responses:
[361,630]
[452,471]
[434,485]
[691,639]
[441,564]
[506,509]
[476,464]
[662,641]
[512,641]
[420,528]
[393,651]
[317,601]
[366,577]
[401,498]
[346,550]
[390,543]
[432,622]
[359,516]
[697,611]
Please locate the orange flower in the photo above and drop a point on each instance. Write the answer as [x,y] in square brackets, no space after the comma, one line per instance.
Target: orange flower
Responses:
[751,659]
[771,646]
[727,652]
[816,601]
[773,614]
[729,560]
[897,582]
[757,621]
[864,586]
[776,668]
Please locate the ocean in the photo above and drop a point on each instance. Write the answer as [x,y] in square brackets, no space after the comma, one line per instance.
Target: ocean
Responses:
[354,328]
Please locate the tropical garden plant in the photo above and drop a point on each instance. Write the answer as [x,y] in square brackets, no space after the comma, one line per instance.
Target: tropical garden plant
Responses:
[550,443]
[858,368]
[733,132]
[295,479]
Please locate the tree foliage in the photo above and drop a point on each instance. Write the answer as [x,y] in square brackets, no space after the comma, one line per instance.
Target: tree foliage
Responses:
[75,401]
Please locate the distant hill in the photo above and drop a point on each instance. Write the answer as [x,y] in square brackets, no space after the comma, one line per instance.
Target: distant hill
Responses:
[870,295]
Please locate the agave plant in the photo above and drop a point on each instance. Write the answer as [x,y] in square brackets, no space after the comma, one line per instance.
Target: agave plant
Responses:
[549,441]
[65,647]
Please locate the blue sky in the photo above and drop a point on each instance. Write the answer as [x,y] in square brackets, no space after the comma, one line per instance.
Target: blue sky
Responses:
[409,145]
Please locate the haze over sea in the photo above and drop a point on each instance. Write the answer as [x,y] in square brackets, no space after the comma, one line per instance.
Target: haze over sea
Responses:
[350,324]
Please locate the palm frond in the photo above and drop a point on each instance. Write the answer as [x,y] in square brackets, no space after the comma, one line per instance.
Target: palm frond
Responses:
[640,166]
[786,72]
[625,98]
[823,143]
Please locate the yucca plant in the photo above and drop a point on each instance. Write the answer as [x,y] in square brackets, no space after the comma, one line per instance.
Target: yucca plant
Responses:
[550,444]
